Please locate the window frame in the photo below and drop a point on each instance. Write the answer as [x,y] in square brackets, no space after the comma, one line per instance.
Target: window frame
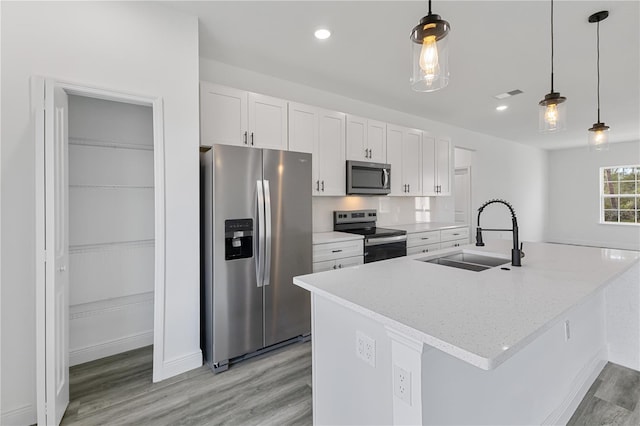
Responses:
[602,196]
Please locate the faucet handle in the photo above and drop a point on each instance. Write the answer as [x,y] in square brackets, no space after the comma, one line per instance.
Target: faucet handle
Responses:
[521,252]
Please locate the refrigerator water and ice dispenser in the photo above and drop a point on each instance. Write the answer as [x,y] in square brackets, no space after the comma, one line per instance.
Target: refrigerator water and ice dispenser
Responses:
[238,239]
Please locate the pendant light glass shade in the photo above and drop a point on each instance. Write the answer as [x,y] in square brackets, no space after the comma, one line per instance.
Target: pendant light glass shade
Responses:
[552,113]
[599,137]
[552,116]
[599,132]
[430,54]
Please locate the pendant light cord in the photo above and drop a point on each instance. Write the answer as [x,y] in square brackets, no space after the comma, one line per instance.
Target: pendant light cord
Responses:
[429,7]
[598,61]
[551,46]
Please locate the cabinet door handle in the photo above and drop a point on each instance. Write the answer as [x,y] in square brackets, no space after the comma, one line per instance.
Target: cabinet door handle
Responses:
[334,266]
[245,138]
[408,187]
[340,265]
[336,251]
[318,185]
[251,138]
[370,153]
[322,186]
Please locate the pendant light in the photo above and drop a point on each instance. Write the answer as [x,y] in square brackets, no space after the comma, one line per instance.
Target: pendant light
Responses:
[552,111]
[430,53]
[598,139]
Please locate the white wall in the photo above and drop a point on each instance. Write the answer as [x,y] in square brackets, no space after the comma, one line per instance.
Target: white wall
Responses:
[138,48]
[574,205]
[111,228]
[504,169]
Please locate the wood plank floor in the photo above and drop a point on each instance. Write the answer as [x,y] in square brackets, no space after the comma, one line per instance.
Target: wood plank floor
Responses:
[613,399]
[273,389]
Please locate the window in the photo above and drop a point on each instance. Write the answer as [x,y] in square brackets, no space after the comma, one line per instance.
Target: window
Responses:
[620,194]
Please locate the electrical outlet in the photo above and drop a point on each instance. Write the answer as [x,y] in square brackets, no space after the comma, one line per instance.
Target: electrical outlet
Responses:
[567,331]
[402,384]
[366,348]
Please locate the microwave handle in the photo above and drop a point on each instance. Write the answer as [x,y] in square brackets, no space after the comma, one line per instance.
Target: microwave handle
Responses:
[385,178]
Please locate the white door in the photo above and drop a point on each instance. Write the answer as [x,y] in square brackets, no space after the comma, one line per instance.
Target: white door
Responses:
[462,195]
[57,254]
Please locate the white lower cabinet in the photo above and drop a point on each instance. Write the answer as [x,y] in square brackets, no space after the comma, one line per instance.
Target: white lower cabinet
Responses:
[428,241]
[337,255]
[423,242]
[337,264]
[454,237]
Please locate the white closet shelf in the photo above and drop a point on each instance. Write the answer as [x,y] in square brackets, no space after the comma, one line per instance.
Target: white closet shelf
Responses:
[75,186]
[85,248]
[107,144]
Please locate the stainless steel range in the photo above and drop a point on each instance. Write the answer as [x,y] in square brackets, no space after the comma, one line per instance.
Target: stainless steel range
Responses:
[379,243]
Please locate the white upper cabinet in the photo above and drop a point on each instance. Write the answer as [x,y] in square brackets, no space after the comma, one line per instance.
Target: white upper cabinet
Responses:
[303,128]
[394,157]
[223,115]
[436,174]
[322,133]
[331,166]
[404,153]
[412,161]
[236,117]
[267,122]
[366,140]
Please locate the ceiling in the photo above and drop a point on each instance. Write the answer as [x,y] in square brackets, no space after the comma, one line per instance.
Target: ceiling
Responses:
[495,47]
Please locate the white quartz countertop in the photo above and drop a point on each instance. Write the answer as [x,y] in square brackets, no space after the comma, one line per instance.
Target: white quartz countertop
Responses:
[334,237]
[427,226]
[483,317]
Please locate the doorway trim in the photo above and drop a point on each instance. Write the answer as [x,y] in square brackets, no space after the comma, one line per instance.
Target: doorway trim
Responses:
[467,170]
[38,84]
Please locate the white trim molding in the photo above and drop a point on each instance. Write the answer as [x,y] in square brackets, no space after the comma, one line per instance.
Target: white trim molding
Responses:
[178,365]
[24,415]
[112,347]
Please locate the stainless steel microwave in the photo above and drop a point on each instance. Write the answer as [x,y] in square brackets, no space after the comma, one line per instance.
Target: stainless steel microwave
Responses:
[365,178]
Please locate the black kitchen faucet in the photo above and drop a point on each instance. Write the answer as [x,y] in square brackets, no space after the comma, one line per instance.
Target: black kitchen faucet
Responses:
[516,252]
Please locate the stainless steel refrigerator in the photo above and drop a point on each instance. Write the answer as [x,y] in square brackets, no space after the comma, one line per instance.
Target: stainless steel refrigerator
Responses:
[256,236]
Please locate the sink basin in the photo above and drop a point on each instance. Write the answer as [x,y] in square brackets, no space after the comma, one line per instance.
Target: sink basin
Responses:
[468,261]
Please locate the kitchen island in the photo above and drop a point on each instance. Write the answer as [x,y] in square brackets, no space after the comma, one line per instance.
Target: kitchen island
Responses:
[407,341]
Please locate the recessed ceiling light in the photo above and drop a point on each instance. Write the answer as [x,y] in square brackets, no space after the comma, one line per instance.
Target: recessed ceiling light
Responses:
[501,107]
[322,34]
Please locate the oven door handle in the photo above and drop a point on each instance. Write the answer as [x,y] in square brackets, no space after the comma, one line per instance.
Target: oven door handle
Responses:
[384,240]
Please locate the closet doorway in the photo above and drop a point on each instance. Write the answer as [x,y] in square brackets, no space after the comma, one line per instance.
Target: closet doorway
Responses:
[100,226]
[111,228]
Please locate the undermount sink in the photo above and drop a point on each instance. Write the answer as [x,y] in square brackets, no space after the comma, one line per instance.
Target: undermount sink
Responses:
[469,261]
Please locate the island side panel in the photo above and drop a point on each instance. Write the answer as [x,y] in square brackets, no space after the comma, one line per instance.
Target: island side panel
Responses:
[541,384]
[623,319]
[346,389]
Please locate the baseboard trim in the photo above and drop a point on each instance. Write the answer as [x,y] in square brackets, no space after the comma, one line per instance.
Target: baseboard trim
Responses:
[579,388]
[112,347]
[25,415]
[178,366]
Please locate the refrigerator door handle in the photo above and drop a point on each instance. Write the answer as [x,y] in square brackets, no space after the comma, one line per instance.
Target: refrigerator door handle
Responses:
[267,228]
[261,231]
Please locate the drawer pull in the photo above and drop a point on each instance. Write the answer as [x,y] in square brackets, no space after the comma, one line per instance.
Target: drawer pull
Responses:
[455,234]
[424,238]
[336,251]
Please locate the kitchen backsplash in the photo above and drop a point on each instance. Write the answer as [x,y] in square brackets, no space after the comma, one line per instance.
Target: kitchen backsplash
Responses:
[391,210]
